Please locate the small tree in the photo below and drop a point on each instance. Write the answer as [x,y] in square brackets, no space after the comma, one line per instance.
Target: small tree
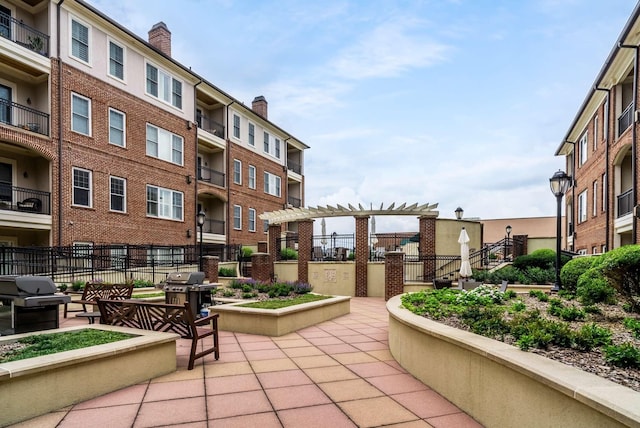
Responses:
[572,270]
[621,267]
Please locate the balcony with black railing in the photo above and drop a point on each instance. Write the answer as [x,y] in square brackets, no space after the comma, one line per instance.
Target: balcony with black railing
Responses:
[625,203]
[24,117]
[295,167]
[211,176]
[23,35]
[625,119]
[211,126]
[213,226]
[294,202]
[25,200]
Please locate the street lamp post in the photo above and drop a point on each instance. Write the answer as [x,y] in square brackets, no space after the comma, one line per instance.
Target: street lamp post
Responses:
[200,217]
[506,244]
[459,211]
[333,238]
[559,183]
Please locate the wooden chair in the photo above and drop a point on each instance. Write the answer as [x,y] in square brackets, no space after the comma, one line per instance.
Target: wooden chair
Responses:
[93,291]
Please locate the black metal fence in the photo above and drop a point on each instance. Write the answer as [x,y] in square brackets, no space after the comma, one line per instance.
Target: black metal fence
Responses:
[24,117]
[21,199]
[111,263]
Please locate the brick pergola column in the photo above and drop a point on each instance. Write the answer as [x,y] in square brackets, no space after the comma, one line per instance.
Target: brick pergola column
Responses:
[305,243]
[274,234]
[261,267]
[393,274]
[263,246]
[427,247]
[210,267]
[362,254]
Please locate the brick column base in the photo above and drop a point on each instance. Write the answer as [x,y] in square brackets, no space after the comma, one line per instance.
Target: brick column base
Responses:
[263,247]
[261,267]
[210,267]
[362,254]
[393,274]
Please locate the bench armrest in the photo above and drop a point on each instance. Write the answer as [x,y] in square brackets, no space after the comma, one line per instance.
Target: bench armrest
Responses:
[207,319]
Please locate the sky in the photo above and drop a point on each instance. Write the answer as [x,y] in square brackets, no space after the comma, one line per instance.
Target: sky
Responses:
[462,103]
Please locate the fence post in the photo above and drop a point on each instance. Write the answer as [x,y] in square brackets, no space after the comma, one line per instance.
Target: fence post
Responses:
[393,274]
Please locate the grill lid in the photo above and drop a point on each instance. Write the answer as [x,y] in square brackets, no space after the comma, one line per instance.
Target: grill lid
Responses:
[26,285]
[185,278]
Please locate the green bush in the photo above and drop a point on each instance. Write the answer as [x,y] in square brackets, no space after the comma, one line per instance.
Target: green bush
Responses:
[507,273]
[625,355]
[288,254]
[591,336]
[633,325]
[142,283]
[540,295]
[572,270]
[621,267]
[246,252]
[537,275]
[542,258]
[594,288]
[77,285]
[227,272]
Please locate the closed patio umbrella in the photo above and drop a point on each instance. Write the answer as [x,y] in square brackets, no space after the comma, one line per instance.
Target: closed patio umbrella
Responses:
[465,266]
[323,225]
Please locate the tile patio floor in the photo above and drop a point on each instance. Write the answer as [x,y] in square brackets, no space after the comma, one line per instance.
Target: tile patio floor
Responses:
[336,374]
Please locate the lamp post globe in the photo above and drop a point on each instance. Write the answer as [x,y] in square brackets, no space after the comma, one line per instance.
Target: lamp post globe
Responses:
[459,212]
[559,183]
[200,217]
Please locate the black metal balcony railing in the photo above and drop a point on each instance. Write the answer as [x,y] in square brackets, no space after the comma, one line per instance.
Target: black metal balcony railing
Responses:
[23,35]
[625,119]
[24,117]
[26,200]
[294,202]
[211,176]
[295,167]
[210,126]
[625,203]
[213,226]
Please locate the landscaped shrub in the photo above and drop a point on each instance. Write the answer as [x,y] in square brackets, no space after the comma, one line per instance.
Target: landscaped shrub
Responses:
[594,288]
[142,283]
[536,275]
[633,325]
[507,273]
[288,254]
[543,258]
[625,355]
[621,267]
[246,252]
[227,272]
[77,285]
[591,336]
[572,270]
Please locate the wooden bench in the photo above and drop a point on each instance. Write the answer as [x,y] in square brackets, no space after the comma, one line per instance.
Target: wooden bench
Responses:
[93,291]
[163,317]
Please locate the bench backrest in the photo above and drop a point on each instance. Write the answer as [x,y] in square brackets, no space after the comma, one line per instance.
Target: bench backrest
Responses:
[94,291]
[162,317]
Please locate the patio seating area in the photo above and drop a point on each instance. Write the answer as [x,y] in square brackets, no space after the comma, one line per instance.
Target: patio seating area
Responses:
[338,373]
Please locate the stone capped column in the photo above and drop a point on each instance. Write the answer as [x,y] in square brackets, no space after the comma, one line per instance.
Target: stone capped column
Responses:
[274,233]
[362,254]
[305,243]
[427,247]
[393,274]
[210,267]
[261,267]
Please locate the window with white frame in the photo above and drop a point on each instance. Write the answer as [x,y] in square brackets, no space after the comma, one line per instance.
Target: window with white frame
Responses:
[252,134]
[595,133]
[271,145]
[236,126]
[595,199]
[604,192]
[582,207]
[237,217]
[583,148]
[164,86]
[252,220]
[271,184]
[80,40]
[237,171]
[252,177]
[277,148]
[164,203]
[80,114]
[118,194]
[164,145]
[603,249]
[117,127]
[605,124]
[82,187]
[266,142]
[116,60]
[165,255]
[594,250]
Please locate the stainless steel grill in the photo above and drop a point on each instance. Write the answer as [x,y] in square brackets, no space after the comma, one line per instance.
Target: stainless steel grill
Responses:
[183,287]
[29,303]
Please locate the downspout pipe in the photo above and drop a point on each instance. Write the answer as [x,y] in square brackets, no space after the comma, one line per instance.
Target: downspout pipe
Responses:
[229,213]
[607,211]
[573,190]
[195,160]
[60,130]
[634,143]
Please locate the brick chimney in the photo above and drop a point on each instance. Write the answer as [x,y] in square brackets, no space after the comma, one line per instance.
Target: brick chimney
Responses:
[259,105]
[160,38]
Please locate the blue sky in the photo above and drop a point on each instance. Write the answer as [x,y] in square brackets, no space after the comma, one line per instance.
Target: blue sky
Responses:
[455,102]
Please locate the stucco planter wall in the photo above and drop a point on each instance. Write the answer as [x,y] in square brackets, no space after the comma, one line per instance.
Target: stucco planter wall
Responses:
[39,385]
[501,386]
[277,322]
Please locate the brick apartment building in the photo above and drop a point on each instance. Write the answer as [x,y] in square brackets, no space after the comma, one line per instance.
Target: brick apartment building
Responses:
[105,139]
[601,150]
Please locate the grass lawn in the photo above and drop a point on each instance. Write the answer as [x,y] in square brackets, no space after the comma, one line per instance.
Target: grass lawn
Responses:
[283,303]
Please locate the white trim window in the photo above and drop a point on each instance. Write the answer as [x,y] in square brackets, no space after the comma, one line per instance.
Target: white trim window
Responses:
[237,171]
[252,134]
[117,194]
[166,256]
[271,145]
[116,60]
[164,145]
[117,123]
[595,199]
[252,177]
[118,256]
[236,126]
[82,187]
[272,184]
[582,207]
[595,133]
[163,86]
[237,217]
[266,142]
[80,114]
[80,41]
[252,220]
[277,147]
[584,144]
[164,203]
